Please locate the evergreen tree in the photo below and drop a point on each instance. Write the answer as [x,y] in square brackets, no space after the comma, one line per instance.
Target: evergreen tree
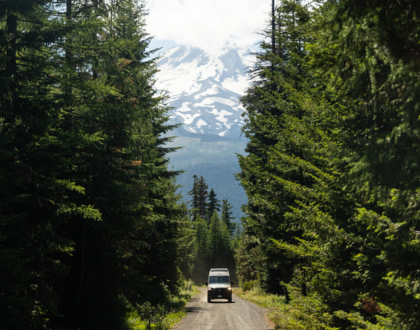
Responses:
[201,251]
[296,201]
[186,244]
[227,217]
[326,214]
[194,200]
[219,244]
[249,258]
[34,201]
[212,236]
[213,204]
[374,75]
[122,163]
[202,198]
[81,125]
[199,195]
[236,238]
[276,126]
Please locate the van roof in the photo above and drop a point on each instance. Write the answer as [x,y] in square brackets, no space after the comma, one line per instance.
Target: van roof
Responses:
[219,271]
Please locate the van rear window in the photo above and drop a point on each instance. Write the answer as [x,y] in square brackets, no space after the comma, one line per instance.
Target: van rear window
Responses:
[219,280]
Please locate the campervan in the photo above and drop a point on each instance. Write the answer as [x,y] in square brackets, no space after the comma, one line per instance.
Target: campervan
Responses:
[219,285]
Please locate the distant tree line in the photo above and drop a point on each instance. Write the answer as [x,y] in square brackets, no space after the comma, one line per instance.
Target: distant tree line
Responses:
[89,217]
[214,234]
[332,165]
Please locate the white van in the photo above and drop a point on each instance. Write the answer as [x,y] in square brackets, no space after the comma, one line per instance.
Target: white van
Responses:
[219,284]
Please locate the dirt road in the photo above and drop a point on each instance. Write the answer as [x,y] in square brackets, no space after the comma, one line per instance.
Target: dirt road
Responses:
[221,315]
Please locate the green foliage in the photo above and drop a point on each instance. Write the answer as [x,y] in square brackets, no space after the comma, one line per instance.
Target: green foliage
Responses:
[161,317]
[219,244]
[214,203]
[375,83]
[331,174]
[236,238]
[88,209]
[304,313]
[201,251]
[212,240]
[248,258]
[202,158]
[199,200]
[248,285]
[227,217]
[290,150]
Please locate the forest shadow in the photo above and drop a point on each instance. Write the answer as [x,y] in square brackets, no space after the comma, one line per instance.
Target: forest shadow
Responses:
[195,309]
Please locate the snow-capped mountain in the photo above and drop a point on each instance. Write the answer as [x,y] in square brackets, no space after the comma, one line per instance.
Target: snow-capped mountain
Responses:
[204,89]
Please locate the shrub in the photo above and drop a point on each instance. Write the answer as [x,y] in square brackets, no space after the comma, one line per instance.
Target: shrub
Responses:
[248,286]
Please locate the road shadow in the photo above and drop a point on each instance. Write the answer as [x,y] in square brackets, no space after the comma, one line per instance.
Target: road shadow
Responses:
[221,302]
[195,309]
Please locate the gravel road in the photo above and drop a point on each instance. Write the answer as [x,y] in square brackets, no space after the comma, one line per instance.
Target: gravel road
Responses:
[221,315]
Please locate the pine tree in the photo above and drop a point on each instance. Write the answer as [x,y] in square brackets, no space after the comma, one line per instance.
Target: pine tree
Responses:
[236,238]
[249,258]
[194,201]
[227,217]
[34,201]
[121,160]
[296,201]
[373,72]
[213,204]
[212,236]
[219,244]
[186,246]
[201,251]
[81,125]
[326,213]
[199,195]
[275,126]
[202,198]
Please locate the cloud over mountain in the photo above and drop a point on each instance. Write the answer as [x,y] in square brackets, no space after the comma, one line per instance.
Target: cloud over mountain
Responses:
[209,25]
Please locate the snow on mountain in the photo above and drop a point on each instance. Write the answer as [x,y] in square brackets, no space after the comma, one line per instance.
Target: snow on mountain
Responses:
[204,90]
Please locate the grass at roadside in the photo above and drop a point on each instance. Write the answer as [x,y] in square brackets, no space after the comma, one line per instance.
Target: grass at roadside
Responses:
[162,317]
[300,313]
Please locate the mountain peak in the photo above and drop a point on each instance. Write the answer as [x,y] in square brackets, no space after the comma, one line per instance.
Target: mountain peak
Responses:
[204,89]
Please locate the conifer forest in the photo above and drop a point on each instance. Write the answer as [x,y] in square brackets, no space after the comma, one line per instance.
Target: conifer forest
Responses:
[92,229]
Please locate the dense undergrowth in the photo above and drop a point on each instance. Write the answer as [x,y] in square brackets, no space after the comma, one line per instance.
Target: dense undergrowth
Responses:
[162,317]
[299,313]
[311,313]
